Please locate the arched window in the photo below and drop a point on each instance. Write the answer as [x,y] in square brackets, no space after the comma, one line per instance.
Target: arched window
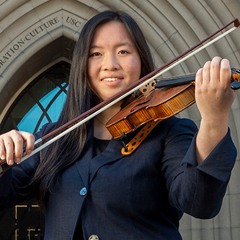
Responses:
[40,103]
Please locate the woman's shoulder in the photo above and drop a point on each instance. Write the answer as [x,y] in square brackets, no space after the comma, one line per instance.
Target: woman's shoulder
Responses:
[178,122]
[177,126]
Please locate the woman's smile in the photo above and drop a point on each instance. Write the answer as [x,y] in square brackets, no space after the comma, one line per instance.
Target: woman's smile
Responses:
[110,79]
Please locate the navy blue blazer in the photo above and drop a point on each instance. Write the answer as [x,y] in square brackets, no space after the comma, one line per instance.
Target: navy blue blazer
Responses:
[140,196]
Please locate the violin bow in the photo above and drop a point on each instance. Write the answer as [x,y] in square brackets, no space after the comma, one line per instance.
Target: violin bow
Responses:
[86,116]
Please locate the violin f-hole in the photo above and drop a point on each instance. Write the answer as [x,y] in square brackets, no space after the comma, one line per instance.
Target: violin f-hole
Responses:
[141,104]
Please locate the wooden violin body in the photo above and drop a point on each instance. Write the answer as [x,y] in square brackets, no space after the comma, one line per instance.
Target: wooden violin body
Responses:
[157,105]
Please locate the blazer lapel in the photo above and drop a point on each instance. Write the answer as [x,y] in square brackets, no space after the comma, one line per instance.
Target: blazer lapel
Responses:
[110,154]
[83,164]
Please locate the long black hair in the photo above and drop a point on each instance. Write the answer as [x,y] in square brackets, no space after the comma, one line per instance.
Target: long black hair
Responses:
[81,98]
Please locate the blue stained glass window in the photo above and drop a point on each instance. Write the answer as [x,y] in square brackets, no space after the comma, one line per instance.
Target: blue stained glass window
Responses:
[40,103]
[30,120]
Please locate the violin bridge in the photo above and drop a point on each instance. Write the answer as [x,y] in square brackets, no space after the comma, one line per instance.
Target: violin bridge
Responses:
[146,89]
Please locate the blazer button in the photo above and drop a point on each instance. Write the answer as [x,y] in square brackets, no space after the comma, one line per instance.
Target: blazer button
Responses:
[83,191]
[93,237]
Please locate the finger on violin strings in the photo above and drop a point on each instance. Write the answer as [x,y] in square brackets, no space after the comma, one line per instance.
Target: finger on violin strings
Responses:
[215,70]
[198,77]
[225,73]
[202,78]
[206,75]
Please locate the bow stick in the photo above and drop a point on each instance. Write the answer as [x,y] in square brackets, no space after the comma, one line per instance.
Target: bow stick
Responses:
[126,92]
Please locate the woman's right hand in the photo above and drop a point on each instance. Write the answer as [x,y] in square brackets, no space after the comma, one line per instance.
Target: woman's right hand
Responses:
[12,144]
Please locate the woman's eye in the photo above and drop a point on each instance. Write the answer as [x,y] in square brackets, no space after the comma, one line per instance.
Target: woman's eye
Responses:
[95,54]
[123,52]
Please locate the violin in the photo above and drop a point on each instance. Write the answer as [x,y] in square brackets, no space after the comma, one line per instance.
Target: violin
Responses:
[168,97]
[179,97]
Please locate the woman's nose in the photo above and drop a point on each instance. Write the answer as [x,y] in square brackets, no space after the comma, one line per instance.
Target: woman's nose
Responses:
[110,63]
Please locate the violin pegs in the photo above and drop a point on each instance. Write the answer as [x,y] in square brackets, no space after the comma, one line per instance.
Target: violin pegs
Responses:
[235,85]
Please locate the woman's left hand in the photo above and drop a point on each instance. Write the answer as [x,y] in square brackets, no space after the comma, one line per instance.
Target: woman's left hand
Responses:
[214,95]
[214,98]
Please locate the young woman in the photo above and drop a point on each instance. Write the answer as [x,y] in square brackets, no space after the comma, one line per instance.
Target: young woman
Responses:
[88,189]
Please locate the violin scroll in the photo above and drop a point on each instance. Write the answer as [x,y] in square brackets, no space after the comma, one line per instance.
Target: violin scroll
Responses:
[235,85]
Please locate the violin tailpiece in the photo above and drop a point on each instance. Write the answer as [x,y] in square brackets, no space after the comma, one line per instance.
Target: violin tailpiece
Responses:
[138,139]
